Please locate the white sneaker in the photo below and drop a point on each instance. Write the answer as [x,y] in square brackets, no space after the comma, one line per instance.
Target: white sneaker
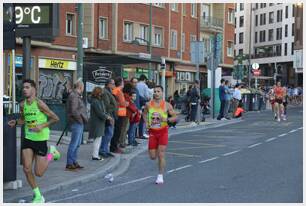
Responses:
[278,119]
[146,135]
[160,179]
[284,117]
[223,118]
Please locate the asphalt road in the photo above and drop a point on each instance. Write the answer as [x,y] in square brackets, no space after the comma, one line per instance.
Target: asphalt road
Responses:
[254,161]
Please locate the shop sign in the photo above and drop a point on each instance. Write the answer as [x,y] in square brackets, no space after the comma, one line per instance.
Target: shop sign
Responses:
[19,61]
[57,64]
[140,71]
[184,76]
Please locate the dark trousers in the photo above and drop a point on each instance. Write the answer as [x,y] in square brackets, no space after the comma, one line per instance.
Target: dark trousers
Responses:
[194,109]
[117,132]
[221,112]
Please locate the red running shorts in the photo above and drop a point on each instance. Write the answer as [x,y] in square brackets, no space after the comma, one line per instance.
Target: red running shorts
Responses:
[158,137]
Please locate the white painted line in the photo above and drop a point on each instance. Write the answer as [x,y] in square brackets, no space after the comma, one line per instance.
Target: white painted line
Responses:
[271,139]
[254,145]
[208,160]
[230,153]
[180,168]
[170,171]
[294,130]
[281,135]
[105,188]
[300,128]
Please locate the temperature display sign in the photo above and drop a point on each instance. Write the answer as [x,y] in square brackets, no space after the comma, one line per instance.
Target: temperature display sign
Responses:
[37,20]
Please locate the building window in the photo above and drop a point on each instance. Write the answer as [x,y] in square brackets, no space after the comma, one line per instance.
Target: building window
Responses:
[128,31]
[241,38]
[262,36]
[194,10]
[103,28]
[271,4]
[70,24]
[285,50]
[144,34]
[235,38]
[292,48]
[286,12]
[158,36]
[256,6]
[279,50]
[241,7]
[293,10]
[262,19]
[256,36]
[286,30]
[231,16]
[271,34]
[279,15]
[174,7]
[241,21]
[173,42]
[278,33]
[271,17]
[292,33]
[240,52]
[193,38]
[184,9]
[230,49]
[183,42]
[256,20]
[262,5]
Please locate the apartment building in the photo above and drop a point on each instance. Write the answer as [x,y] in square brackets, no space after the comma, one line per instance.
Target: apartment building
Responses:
[265,31]
[298,43]
[217,18]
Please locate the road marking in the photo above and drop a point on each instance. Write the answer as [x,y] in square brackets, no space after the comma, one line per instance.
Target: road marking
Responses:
[254,145]
[105,188]
[196,143]
[186,148]
[211,159]
[180,168]
[184,155]
[300,128]
[230,153]
[294,130]
[281,135]
[271,139]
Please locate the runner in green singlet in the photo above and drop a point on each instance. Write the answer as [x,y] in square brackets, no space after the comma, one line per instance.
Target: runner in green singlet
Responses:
[35,115]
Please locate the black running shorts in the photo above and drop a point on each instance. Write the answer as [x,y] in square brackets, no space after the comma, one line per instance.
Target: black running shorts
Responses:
[39,147]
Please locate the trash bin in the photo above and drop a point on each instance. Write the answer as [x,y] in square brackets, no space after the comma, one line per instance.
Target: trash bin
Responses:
[9,150]
[246,100]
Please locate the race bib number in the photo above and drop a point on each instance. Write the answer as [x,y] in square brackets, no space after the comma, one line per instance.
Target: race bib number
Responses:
[156,120]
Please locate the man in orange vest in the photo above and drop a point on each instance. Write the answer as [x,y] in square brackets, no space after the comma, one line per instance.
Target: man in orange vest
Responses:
[121,113]
[156,118]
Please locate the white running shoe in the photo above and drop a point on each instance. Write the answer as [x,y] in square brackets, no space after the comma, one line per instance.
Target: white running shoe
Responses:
[160,179]
[223,118]
[284,117]
[146,135]
[278,119]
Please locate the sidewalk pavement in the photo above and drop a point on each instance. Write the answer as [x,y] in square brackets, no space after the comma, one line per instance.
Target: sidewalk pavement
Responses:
[57,178]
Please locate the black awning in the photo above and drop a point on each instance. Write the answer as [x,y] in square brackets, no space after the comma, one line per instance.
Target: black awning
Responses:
[119,59]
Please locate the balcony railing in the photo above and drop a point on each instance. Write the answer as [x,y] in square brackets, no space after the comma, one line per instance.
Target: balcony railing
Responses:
[211,23]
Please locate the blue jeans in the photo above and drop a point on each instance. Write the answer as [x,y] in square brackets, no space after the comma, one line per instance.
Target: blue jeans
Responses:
[141,126]
[75,142]
[108,135]
[132,133]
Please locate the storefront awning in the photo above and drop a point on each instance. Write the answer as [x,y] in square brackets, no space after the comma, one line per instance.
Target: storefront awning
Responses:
[121,59]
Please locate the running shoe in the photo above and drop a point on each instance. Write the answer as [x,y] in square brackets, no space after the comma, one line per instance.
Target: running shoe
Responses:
[278,119]
[39,199]
[284,117]
[160,179]
[56,154]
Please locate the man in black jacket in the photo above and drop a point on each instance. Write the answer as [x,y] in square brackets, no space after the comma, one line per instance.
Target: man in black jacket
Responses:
[194,101]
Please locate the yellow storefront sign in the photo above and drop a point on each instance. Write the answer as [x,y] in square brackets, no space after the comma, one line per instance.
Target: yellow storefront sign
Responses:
[57,64]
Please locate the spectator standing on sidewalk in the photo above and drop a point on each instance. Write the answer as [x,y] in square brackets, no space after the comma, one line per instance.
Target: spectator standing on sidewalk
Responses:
[128,87]
[77,117]
[111,109]
[227,99]
[134,118]
[222,100]
[194,101]
[98,116]
[236,98]
[121,113]
[144,97]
